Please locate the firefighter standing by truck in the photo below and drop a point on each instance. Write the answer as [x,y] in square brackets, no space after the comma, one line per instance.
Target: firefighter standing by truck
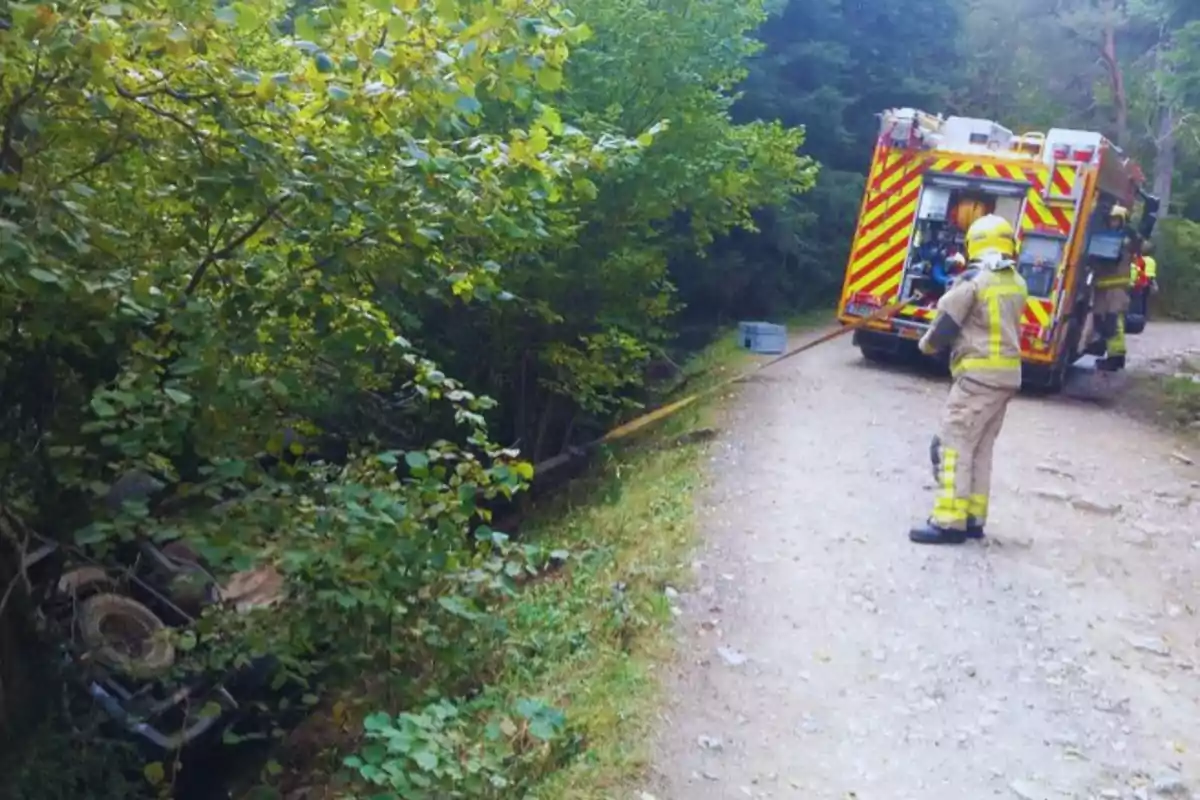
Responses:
[1111,301]
[1144,277]
[979,321]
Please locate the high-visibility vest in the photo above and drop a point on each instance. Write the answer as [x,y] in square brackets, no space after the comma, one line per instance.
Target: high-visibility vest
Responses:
[1142,270]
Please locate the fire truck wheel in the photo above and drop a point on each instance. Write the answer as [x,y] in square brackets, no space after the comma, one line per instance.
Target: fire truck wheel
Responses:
[877,355]
[125,636]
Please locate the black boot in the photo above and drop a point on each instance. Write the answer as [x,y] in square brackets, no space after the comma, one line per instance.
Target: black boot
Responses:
[1111,364]
[1095,348]
[933,534]
[974,529]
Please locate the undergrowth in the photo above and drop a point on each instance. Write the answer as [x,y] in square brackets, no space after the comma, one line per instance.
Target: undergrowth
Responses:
[1174,399]
[567,700]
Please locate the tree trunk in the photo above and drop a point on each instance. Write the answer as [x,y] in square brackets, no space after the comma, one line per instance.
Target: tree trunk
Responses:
[1164,161]
[1108,50]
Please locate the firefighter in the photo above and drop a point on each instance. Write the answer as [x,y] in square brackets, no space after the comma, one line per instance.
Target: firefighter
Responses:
[946,272]
[1143,282]
[1111,301]
[979,321]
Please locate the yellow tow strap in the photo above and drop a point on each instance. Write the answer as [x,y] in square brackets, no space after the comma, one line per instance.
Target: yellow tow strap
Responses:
[650,418]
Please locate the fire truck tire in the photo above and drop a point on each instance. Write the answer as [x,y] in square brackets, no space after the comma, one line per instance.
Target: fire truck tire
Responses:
[878,355]
[125,636]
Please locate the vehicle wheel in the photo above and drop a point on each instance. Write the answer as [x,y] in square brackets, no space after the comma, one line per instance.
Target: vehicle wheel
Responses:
[877,355]
[78,582]
[125,636]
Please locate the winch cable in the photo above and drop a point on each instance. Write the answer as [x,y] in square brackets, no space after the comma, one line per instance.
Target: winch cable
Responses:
[622,431]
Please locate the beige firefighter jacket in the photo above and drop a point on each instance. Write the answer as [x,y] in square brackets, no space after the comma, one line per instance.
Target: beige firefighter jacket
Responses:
[1116,274]
[979,320]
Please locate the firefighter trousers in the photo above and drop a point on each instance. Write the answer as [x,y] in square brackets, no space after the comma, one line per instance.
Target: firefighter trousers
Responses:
[1109,322]
[971,421]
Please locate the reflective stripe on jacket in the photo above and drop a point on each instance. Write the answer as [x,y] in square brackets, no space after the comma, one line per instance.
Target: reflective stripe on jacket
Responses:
[982,313]
[1118,274]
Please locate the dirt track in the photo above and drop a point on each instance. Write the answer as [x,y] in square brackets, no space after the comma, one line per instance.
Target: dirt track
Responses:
[824,656]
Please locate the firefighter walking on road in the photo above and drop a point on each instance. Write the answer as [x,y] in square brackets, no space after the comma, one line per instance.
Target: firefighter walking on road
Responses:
[1111,301]
[979,321]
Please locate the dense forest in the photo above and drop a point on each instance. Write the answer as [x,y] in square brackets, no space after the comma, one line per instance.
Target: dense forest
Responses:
[311,287]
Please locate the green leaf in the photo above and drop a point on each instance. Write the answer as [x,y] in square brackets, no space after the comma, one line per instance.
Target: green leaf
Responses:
[248,16]
[111,9]
[226,15]
[377,721]
[339,93]
[92,534]
[550,120]
[44,275]
[180,397]
[324,63]
[154,773]
[458,607]
[468,105]
[382,57]
[425,760]
[211,710]
[550,79]
[304,28]
[542,728]
[103,408]
[416,459]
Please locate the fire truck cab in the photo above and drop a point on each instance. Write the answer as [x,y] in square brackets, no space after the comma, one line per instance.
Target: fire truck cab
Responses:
[931,177]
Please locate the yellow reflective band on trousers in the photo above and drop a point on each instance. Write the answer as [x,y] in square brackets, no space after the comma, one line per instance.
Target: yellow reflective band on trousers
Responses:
[977,507]
[1113,282]
[948,510]
[1116,345]
[995,359]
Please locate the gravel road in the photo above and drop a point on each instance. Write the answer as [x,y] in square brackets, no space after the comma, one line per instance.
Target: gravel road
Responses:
[824,656]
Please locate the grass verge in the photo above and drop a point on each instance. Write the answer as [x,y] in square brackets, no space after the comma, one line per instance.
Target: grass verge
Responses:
[601,631]
[1171,399]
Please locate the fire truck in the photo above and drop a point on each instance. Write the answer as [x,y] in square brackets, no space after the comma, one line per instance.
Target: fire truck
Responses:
[931,176]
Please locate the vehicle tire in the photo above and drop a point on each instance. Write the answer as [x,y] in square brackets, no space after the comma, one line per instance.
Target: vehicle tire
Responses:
[79,582]
[125,636]
[877,355]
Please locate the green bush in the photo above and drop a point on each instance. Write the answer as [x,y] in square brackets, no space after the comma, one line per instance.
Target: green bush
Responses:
[1179,268]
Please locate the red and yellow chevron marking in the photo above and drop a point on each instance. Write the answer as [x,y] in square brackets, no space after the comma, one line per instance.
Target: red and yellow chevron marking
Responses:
[886,225]
[1003,172]
[926,313]
[884,172]
[1062,183]
[1038,312]
[1041,216]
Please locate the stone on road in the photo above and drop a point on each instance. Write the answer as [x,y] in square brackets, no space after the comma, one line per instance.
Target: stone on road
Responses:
[1064,667]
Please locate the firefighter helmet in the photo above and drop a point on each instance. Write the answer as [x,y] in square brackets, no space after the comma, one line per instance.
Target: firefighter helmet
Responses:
[992,236]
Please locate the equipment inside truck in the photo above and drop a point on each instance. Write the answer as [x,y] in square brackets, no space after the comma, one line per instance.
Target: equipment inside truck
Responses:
[946,210]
